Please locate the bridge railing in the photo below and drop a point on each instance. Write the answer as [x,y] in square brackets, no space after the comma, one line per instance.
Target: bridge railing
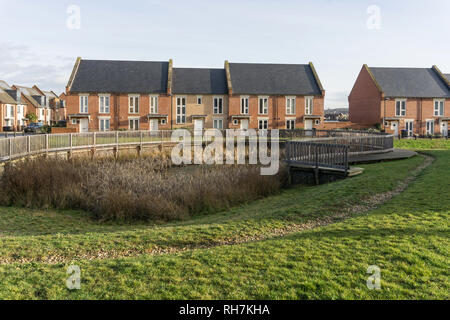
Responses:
[22,146]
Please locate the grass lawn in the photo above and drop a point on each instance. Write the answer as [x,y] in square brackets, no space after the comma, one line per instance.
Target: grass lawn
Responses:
[407,237]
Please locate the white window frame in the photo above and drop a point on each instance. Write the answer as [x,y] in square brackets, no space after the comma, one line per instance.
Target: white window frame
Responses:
[180,110]
[263,109]
[401,111]
[245,104]
[290,105]
[154,104]
[104,119]
[289,122]
[430,126]
[309,105]
[264,121]
[439,107]
[84,103]
[74,121]
[235,122]
[104,103]
[317,122]
[199,100]
[134,119]
[216,121]
[133,107]
[218,108]
[163,121]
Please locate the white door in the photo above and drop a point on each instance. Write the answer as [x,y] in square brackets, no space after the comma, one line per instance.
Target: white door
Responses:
[394,127]
[198,125]
[84,125]
[410,128]
[153,124]
[309,127]
[444,128]
[244,124]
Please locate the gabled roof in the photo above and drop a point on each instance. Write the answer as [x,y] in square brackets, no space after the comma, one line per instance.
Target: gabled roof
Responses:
[272,79]
[119,77]
[410,82]
[30,94]
[6,98]
[199,81]
[4,85]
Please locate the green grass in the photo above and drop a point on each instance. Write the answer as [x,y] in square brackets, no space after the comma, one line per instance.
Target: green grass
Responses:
[423,144]
[408,238]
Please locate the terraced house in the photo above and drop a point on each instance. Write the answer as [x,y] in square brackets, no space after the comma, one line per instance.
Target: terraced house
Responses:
[277,96]
[13,108]
[36,102]
[144,95]
[412,100]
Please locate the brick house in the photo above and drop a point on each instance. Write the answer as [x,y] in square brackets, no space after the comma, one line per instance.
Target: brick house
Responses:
[274,96]
[200,98]
[118,95]
[413,99]
[12,108]
[36,103]
[55,107]
[138,95]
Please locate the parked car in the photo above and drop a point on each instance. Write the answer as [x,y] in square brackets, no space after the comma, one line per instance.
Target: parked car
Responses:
[35,127]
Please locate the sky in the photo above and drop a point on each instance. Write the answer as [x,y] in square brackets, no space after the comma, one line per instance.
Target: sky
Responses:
[41,40]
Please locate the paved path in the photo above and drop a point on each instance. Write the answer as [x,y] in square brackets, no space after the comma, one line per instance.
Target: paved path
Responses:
[397,154]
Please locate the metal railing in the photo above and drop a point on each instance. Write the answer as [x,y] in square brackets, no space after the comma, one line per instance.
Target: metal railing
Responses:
[23,146]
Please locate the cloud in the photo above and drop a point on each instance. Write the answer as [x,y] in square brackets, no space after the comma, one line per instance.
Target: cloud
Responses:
[336,99]
[19,64]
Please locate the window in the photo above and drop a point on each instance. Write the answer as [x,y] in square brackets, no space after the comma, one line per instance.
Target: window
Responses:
[134,104]
[74,121]
[309,105]
[263,105]
[104,124]
[218,105]
[11,111]
[163,121]
[317,122]
[19,109]
[104,104]
[438,108]
[244,105]
[181,110]
[235,122]
[263,124]
[199,100]
[218,124]
[290,124]
[84,104]
[400,108]
[430,126]
[133,124]
[154,104]
[290,105]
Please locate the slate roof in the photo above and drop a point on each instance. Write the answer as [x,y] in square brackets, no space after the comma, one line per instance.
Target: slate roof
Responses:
[410,82]
[31,94]
[447,76]
[4,85]
[271,79]
[6,98]
[199,81]
[121,77]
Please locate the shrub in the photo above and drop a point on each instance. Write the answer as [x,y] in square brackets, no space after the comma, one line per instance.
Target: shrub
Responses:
[147,188]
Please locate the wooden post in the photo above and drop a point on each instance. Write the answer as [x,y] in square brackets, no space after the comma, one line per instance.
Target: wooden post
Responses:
[316,169]
[9,148]
[46,145]
[28,145]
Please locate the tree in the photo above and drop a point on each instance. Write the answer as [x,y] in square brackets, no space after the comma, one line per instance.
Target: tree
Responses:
[31,117]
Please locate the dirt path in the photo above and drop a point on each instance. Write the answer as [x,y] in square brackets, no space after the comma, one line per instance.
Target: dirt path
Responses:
[344,213]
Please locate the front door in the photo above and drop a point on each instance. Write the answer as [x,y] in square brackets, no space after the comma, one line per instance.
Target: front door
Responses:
[444,128]
[198,125]
[153,124]
[309,127]
[244,124]
[84,125]
[394,127]
[410,128]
